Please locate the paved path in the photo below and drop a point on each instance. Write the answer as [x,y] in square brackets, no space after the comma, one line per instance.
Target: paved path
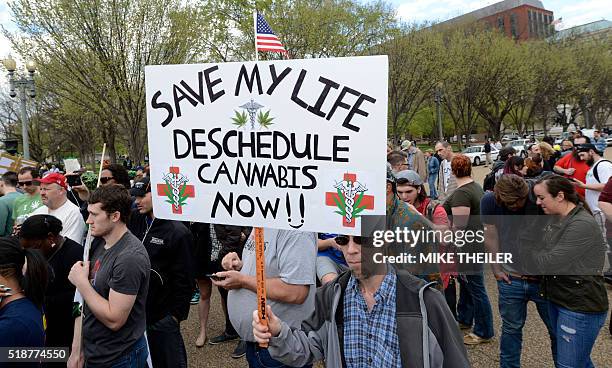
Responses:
[536,344]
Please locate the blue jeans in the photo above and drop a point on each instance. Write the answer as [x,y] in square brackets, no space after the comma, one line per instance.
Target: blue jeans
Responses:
[136,358]
[474,306]
[432,186]
[576,334]
[260,358]
[513,299]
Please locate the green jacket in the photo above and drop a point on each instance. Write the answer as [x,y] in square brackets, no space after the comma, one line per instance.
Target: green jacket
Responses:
[572,260]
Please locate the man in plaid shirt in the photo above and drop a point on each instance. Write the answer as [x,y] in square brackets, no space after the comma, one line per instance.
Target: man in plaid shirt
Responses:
[370,316]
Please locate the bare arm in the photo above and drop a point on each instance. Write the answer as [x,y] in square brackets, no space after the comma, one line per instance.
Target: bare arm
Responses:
[492,245]
[76,359]
[276,289]
[607,209]
[114,312]
[560,170]
[323,244]
[461,217]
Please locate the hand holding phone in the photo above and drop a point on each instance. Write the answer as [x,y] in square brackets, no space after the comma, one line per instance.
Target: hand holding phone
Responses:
[214,277]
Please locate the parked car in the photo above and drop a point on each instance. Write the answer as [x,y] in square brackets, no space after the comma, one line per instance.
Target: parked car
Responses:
[564,135]
[510,137]
[478,156]
[520,145]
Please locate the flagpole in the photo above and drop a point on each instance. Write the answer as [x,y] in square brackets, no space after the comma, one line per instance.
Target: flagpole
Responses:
[255,33]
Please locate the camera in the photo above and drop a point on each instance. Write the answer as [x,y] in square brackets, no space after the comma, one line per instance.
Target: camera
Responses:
[74,180]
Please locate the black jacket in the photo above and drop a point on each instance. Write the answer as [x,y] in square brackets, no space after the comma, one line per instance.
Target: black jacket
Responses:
[60,294]
[169,244]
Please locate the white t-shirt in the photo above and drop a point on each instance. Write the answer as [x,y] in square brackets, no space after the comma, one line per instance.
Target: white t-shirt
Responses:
[604,171]
[73,226]
[447,171]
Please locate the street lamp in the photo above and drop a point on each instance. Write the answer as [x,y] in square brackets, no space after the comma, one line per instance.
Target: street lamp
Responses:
[438,99]
[585,105]
[20,84]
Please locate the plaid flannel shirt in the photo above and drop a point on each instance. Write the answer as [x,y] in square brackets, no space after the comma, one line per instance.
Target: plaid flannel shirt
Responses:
[370,337]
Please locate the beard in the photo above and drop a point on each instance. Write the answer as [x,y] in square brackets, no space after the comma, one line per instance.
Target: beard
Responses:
[590,161]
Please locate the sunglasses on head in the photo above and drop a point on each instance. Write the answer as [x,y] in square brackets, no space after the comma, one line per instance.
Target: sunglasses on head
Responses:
[106,179]
[343,240]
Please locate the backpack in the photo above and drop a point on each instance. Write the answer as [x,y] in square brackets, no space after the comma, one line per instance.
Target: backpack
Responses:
[595,173]
[489,181]
[431,208]
[491,178]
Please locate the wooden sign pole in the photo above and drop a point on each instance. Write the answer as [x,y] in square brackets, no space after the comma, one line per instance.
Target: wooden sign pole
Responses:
[261,277]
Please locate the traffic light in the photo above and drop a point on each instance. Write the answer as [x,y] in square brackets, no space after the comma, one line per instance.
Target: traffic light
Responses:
[10,146]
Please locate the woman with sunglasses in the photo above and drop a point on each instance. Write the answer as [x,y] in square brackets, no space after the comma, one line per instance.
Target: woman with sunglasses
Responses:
[23,278]
[42,233]
[572,260]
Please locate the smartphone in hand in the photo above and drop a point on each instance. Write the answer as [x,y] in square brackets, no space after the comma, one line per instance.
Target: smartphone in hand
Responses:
[214,277]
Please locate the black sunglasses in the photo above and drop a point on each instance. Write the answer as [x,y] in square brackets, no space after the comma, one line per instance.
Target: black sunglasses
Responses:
[25,183]
[106,179]
[343,240]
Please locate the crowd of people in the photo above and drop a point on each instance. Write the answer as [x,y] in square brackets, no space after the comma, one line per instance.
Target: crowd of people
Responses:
[325,303]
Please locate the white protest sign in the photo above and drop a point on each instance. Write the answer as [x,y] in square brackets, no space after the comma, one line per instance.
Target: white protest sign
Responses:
[71,165]
[287,144]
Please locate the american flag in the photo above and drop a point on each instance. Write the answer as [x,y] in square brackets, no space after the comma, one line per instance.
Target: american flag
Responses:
[266,40]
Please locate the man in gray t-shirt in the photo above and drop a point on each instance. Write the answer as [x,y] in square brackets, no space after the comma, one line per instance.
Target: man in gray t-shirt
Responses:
[290,278]
[123,268]
[113,283]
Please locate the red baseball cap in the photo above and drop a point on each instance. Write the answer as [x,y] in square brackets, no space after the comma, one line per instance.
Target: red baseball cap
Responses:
[55,178]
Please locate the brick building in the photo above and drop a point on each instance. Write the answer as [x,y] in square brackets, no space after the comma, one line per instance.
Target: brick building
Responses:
[519,19]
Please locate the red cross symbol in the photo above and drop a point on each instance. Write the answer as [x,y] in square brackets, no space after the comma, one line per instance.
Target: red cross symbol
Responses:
[189,191]
[367,202]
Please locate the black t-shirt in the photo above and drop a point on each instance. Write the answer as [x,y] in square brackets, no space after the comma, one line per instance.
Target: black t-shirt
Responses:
[60,294]
[125,269]
[487,147]
[468,195]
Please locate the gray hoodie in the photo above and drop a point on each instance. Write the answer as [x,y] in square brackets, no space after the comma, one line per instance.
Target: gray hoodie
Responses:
[418,308]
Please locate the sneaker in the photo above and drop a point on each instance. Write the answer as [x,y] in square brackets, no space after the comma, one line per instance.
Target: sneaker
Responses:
[472,339]
[222,338]
[240,350]
[195,299]
[464,327]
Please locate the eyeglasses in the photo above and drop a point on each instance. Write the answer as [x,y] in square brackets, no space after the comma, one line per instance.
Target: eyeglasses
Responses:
[25,183]
[343,240]
[106,179]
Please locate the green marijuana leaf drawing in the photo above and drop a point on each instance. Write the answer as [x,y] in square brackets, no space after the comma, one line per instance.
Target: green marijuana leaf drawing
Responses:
[341,204]
[240,119]
[264,119]
[182,197]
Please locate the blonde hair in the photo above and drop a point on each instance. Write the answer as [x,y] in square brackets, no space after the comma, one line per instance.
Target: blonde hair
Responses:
[546,150]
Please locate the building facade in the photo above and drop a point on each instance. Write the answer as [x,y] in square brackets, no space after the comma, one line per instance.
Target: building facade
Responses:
[518,19]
